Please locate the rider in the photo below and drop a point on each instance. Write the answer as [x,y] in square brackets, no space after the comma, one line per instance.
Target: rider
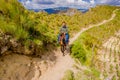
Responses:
[64,29]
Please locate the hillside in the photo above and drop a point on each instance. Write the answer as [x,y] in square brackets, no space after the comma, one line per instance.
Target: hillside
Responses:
[27,28]
[99,48]
[70,12]
[67,63]
[28,40]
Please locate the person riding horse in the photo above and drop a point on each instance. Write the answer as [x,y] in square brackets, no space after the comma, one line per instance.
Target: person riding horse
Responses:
[64,31]
[63,37]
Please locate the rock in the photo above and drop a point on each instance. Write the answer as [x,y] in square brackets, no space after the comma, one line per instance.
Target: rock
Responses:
[27,51]
[29,65]
[14,42]
[4,49]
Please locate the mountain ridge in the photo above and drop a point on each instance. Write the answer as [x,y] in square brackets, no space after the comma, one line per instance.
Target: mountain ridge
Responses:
[58,9]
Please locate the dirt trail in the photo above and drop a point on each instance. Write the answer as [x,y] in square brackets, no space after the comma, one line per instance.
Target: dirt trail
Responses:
[66,62]
[91,26]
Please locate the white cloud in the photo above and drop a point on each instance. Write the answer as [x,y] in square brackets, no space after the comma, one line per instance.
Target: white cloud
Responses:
[92,1]
[28,2]
[103,1]
[37,4]
[106,1]
[79,0]
[70,1]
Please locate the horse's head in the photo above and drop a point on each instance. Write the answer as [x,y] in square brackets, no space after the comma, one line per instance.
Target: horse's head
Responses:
[62,35]
[62,39]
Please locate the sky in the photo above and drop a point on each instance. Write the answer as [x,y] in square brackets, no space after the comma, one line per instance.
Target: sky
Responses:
[44,4]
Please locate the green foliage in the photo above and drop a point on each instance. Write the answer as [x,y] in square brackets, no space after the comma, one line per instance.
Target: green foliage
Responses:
[118,72]
[93,74]
[114,78]
[68,75]
[42,28]
[92,39]
[79,52]
[10,29]
[20,33]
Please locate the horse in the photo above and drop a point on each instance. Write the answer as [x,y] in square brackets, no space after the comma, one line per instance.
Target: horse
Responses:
[62,43]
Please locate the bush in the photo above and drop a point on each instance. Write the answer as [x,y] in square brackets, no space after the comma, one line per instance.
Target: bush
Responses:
[92,39]
[42,28]
[68,75]
[8,28]
[79,52]
[20,33]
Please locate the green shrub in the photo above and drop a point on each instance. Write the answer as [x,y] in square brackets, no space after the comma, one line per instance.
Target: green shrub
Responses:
[92,74]
[91,40]
[42,28]
[79,52]
[20,33]
[8,28]
[68,75]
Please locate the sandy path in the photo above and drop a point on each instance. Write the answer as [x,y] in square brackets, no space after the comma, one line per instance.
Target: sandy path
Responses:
[66,62]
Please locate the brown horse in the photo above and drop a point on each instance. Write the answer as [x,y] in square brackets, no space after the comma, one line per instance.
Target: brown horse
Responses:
[62,43]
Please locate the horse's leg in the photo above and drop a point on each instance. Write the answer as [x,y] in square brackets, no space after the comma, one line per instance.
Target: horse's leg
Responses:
[63,49]
[67,48]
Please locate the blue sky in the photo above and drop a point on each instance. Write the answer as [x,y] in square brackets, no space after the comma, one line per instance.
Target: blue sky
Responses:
[43,4]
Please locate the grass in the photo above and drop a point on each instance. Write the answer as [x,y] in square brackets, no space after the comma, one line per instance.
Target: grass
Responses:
[68,75]
[114,78]
[93,74]
[95,36]
[117,69]
[86,75]
[41,29]
[79,53]
[118,72]
[105,74]
[111,68]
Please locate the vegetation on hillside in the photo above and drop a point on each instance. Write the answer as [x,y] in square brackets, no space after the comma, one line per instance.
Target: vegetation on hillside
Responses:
[92,74]
[86,47]
[69,75]
[91,40]
[41,29]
